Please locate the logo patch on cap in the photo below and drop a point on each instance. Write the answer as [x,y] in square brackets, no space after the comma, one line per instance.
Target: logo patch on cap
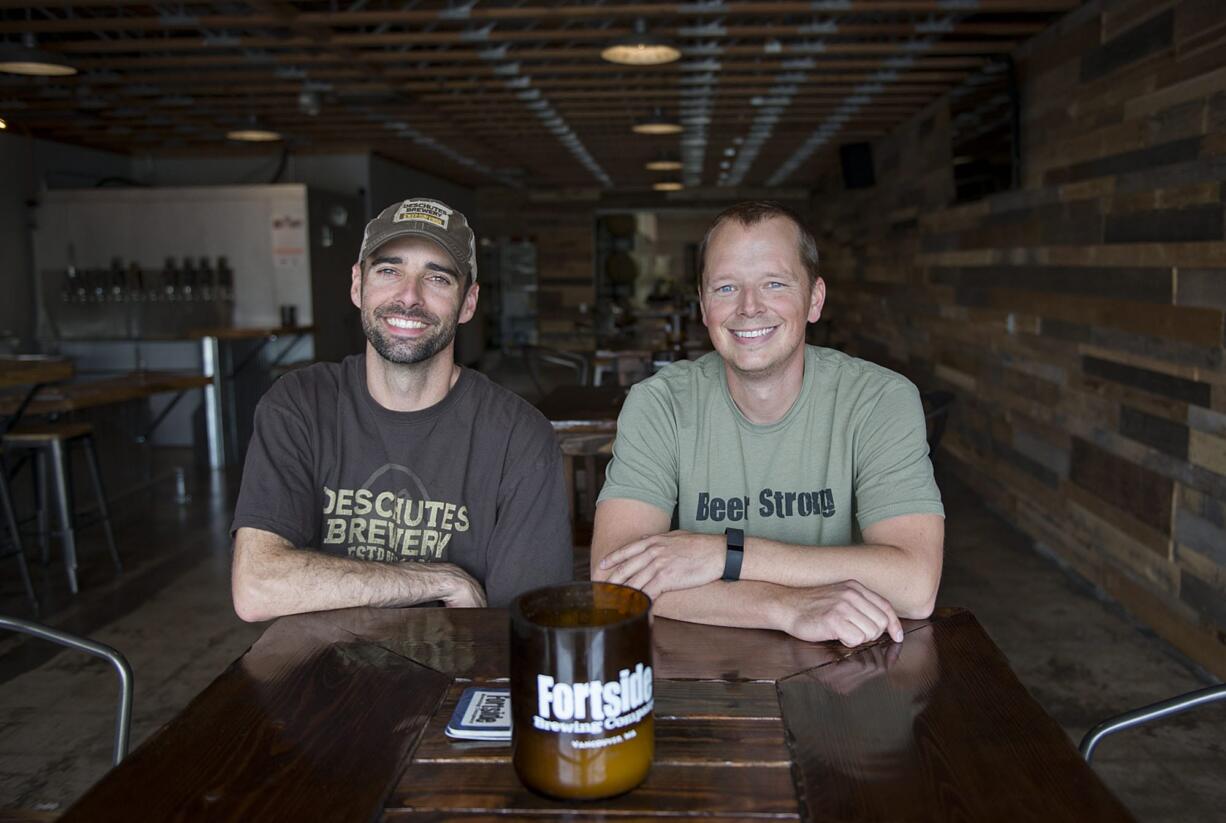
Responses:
[429,211]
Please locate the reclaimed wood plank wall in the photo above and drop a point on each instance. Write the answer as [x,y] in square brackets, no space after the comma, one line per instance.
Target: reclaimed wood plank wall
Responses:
[1079,317]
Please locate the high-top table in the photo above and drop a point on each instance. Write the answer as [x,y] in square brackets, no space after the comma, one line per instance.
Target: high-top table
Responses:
[340,716]
[220,414]
[583,409]
[33,369]
[24,375]
[105,391]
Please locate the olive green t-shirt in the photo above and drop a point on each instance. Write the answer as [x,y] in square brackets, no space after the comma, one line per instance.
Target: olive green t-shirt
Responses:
[850,452]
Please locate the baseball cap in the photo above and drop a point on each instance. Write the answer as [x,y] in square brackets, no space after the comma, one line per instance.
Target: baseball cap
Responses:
[423,217]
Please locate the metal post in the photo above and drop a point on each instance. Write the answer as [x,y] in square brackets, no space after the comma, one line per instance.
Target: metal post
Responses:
[214,421]
[61,475]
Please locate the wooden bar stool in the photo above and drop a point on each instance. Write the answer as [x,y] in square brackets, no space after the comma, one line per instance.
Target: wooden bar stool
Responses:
[51,442]
[582,451]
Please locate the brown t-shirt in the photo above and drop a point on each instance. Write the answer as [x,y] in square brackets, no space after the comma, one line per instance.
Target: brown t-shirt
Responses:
[474,480]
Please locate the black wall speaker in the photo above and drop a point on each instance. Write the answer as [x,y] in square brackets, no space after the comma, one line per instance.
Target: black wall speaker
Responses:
[857,165]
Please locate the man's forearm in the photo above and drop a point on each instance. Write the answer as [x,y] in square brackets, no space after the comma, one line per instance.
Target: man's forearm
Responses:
[308,581]
[680,571]
[271,579]
[746,604]
[846,612]
[905,578]
[900,561]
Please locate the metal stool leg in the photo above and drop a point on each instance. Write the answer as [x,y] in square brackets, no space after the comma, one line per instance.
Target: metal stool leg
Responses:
[63,503]
[38,469]
[91,457]
[10,520]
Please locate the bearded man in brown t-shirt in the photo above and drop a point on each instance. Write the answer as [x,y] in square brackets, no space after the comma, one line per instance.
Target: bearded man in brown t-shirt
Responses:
[398,477]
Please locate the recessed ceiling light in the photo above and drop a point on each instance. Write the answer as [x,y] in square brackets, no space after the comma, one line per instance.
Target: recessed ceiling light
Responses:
[253,135]
[3,124]
[640,48]
[31,61]
[667,185]
[657,128]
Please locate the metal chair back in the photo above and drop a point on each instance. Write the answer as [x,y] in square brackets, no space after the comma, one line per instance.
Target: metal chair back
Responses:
[1147,714]
[123,716]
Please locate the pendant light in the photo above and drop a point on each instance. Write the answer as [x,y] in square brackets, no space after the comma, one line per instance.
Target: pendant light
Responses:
[663,163]
[29,60]
[640,48]
[657,123]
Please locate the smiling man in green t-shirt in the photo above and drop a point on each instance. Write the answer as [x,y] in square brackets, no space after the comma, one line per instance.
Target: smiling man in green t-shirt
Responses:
[799,477]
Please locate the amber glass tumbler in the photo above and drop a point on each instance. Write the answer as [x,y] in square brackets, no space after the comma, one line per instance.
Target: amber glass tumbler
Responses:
[581,689]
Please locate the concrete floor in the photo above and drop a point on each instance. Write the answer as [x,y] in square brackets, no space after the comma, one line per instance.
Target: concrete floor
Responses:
[1084,660]
[1081,657]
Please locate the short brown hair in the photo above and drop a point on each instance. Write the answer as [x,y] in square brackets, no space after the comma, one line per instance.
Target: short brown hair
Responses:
[751,212]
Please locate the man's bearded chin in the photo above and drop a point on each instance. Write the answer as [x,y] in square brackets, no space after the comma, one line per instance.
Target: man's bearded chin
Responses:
[406,351]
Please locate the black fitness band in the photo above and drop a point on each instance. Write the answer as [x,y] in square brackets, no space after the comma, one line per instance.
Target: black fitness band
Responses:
[735,555]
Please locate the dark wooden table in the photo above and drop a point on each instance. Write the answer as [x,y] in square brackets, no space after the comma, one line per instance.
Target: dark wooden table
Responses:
[340,715]
[33,369]
[583,409]
[88,394]
[23,376]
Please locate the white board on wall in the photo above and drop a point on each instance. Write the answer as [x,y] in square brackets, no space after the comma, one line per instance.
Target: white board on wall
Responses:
[261,230]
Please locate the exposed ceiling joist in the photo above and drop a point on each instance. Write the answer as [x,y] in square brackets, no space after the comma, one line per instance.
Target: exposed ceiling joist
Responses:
[470,88]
